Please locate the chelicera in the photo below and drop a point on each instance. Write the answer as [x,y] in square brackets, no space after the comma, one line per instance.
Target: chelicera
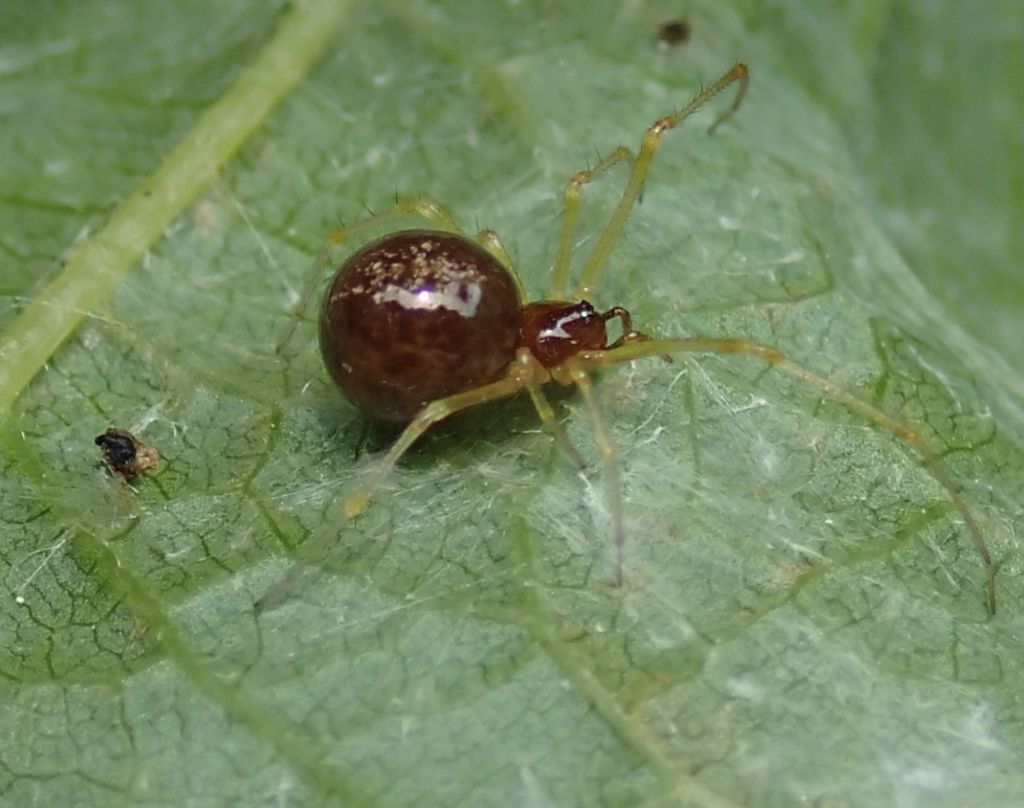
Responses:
[422,324]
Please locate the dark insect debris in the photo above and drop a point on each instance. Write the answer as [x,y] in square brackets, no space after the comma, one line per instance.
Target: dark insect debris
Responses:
[674,32]
[124,455]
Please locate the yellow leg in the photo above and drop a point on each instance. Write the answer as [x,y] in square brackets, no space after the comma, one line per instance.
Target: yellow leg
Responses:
[492,242]
[570,215]
[535,372]
[606,446]
[773,356]
[634,187]
[356,502]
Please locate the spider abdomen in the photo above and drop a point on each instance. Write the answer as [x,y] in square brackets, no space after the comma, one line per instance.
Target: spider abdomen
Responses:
[416,316]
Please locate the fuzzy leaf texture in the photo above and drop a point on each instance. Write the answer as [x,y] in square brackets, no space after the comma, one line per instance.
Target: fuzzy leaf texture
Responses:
[803,618]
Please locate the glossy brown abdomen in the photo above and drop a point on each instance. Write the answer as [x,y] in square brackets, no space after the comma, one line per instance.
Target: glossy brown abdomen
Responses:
[416,316]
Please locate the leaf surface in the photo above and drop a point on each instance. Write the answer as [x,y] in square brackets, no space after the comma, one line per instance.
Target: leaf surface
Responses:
[803,618]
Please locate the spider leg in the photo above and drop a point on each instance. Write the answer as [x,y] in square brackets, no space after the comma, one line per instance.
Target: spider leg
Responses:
[606,446]
[419,206]
[492,242]
[536,372]
[357,501]
[774,357]
[570,215]
[648,146]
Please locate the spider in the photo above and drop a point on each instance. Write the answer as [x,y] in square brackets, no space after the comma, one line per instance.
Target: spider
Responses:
[422,324]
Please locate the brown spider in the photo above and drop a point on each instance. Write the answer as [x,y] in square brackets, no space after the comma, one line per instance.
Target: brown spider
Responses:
[422,324]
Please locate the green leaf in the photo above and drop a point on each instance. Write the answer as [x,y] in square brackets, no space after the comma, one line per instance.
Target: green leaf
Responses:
[803,618]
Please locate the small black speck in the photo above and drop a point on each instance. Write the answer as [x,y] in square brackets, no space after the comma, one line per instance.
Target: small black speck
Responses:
[674,32]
